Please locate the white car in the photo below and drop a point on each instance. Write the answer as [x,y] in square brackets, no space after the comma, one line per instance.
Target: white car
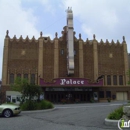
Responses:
[8,110]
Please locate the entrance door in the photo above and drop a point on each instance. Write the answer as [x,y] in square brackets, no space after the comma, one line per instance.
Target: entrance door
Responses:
[121,96]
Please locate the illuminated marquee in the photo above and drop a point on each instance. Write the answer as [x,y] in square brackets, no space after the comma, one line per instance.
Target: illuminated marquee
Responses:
[71,82]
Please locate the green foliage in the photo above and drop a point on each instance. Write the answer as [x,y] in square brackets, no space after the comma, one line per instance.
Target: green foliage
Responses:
[44,104]
[32,105]
[129,101]
[29,91]
[116,114]
[28,105]
[19,84]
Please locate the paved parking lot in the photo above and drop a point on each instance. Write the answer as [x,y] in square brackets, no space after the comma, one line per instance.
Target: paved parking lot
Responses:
[63,117]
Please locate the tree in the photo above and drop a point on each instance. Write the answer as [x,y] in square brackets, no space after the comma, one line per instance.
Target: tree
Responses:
[29,91]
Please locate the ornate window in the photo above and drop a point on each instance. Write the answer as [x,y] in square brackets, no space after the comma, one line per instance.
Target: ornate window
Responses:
[32,81]
[25,76]
[19,75]
[108,80]
[120,80]
[62,52]
[11,78]
[114,80]
[75,52]
[101,94]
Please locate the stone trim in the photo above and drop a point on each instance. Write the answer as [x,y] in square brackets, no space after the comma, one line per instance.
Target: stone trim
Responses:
[36,78]
[126,67]
[56,59]
[81,64]
[112,79]
[40,59]
[95,54]
[5,62]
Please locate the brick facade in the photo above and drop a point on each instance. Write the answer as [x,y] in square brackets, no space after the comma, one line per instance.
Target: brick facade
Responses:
[47,59]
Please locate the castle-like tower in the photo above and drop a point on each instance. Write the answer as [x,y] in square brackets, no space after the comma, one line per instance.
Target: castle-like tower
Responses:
[68,65]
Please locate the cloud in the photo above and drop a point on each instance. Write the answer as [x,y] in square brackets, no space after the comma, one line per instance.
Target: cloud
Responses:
[49,6]
[107,19]
[17,20]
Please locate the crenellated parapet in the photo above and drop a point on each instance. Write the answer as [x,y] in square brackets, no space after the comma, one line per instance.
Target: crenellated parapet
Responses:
[62,38]
[101,42]
[30,40]
[117,43]
[21,39]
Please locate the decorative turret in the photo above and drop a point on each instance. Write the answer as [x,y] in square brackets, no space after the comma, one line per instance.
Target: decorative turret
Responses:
[94,37]
[80,36]
[101,41]
[56,34]
[21,38]
[124,39]
[40,34]
[70,42]
[33,38]
[7,33]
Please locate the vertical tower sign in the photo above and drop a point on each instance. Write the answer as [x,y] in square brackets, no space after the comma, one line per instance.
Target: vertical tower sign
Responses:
[70,42]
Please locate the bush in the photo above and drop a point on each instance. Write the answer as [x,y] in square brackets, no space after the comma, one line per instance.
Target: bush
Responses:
[44,104]
[116,114]
[28,105]
[33,105]
[129,101]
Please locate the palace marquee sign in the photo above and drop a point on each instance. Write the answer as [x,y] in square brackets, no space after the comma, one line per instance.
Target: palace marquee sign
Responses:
[71,82]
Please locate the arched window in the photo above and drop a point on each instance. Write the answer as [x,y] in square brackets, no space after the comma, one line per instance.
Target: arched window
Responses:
[74,52]
[11,78]
[25,76]
[62,52]
[32,81]
[114,80]
[19,75]
[120,80]
[108,80]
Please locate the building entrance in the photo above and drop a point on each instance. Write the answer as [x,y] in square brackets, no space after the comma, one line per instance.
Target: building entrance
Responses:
[68,96]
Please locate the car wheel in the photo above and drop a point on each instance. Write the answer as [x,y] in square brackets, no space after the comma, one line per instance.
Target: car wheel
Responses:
[7,113]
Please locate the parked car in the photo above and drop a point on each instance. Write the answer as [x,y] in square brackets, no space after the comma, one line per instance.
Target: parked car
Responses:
[8,110]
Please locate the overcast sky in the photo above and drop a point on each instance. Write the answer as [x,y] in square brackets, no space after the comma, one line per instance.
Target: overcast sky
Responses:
[107,19]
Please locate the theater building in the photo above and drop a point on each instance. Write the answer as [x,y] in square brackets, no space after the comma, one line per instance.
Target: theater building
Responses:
[68,68]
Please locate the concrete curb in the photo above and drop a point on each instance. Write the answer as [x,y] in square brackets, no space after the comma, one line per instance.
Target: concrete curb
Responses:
[109,122]
[37,111]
